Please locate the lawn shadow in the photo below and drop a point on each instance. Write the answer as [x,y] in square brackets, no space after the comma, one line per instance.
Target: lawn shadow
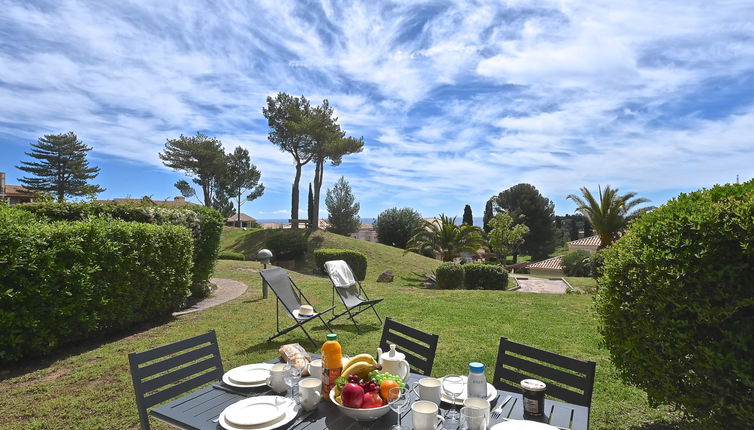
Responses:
[32,364]
[677,425]
[271,347]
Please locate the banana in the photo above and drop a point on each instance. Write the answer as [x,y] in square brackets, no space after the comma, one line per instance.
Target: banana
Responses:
[361,357]
[360,369]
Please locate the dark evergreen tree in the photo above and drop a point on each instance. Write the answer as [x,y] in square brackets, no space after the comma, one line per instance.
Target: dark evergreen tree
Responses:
[526,205]
[62,168]
[241,175]
[396,226]
[488,214]
[573,228]
[588,230]
[468,218]
[342,209]
[310,208]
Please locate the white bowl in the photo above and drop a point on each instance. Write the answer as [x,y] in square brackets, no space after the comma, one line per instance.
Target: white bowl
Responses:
[369,414]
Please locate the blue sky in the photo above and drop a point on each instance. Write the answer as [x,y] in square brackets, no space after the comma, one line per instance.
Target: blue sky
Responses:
[456,100]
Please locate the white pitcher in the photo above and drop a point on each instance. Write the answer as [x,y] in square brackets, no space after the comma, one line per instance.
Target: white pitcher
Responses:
[393,362]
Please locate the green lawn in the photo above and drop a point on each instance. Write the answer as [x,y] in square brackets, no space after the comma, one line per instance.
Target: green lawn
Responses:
[89,387]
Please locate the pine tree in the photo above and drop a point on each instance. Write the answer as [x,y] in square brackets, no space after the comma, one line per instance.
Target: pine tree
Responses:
[62,170]
[488,215]
[468,218]
[343,211]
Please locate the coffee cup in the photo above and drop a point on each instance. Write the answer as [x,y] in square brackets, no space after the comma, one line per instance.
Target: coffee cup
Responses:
[315,368]
[477,403]
[430,389]
[425,415]
[276,381]
[310,392]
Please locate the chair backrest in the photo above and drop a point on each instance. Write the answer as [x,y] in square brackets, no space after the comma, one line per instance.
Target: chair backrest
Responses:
[567,378]
[280,283]
[164,372]
[419,347]
[344,282]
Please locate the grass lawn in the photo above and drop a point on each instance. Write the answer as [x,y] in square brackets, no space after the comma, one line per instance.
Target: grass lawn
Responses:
[89,387]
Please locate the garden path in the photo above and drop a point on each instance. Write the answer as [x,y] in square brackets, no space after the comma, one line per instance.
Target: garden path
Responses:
[227,289]
[539,285]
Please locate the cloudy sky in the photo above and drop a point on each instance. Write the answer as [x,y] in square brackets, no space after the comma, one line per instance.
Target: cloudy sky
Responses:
[456,100]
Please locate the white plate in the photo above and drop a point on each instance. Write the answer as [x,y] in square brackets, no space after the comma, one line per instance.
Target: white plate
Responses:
[522,425]
[256,411]
[235,377]
[291,411]
[491,393]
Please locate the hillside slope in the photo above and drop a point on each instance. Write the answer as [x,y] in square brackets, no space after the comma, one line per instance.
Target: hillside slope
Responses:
[409,268]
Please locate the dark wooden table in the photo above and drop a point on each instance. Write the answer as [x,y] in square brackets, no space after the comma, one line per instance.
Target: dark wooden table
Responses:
[198,410]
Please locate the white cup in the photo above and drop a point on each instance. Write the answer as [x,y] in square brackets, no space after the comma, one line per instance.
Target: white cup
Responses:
[310,392]
[473,419]
[477,403]
[430,389]
[315,368]
[425,416]
[276,381]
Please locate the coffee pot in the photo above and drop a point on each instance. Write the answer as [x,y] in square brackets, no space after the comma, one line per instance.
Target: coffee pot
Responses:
[393,362]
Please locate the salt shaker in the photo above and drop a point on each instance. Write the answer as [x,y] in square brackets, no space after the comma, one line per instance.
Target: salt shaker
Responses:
[476,383]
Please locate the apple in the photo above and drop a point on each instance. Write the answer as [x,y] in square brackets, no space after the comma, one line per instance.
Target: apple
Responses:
[352,395]
[372,399]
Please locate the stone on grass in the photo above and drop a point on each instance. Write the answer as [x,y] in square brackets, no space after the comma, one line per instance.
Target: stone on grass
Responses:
[386,276]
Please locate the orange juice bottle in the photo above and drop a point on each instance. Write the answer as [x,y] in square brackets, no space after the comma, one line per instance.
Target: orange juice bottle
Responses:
[332,364]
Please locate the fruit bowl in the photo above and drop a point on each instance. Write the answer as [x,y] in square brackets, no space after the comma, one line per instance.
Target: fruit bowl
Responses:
[369,414]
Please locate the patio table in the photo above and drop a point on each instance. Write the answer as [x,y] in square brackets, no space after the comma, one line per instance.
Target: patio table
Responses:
[199,410]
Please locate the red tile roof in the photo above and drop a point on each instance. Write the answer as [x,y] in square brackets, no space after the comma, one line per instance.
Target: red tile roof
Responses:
[586,241]
[550,263]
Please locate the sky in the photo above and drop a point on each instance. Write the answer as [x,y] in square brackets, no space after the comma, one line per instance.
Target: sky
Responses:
[456,100]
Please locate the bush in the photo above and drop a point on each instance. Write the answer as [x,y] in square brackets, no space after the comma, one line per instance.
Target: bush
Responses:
[206,225]
[677,304]
[287,244]
[396,226]
[577,263]
[479,276]
[596,261]
[63,282]
[449,276]
[355,259]
[229,255]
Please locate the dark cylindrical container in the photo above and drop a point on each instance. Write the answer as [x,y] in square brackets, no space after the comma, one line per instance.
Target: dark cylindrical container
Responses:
[534,397]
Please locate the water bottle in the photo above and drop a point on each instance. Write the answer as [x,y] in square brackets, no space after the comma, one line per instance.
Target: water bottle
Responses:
[477,383]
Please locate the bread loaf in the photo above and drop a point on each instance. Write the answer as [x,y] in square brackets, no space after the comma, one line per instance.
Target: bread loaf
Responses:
[296,355]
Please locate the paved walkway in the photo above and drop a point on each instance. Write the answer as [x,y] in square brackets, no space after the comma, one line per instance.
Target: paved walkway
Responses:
[227,289]
[540,285]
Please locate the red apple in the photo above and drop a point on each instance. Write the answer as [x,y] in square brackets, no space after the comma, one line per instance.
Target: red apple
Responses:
[352,395]
[372,399]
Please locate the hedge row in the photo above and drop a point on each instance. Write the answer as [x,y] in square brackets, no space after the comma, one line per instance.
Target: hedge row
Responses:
[355,259]
[64,281]
[206,225]
[230,255]
[472,276]
[287,244]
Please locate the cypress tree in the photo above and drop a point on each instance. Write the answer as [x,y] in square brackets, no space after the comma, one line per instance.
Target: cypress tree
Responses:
[468,218]
[487,215]
[310,209]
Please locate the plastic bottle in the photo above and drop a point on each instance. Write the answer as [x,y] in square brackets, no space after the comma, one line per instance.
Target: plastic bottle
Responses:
[332,364]
[477,383]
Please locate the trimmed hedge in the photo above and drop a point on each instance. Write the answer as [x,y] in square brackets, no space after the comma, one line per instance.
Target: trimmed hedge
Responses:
[287,244]
[63,282]
[206,225]
[229,255]
[478,276]
[355,259]
[677,304]
[449,276]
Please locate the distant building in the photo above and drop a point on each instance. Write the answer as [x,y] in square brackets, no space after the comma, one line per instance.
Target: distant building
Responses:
[274,225]
[590,244]
[366,232]
[246,220]
[550,267]
[15,194]
[176,202]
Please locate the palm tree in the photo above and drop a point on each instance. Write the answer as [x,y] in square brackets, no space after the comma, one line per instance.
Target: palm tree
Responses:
[610,214]
[445,239]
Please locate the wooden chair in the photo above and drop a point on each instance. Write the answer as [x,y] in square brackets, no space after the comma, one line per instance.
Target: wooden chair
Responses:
[567,379]
[419,347]
[290,296]
[350,291]
[166,375]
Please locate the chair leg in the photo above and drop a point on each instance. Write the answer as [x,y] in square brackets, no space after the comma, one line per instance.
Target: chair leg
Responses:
[378,315]
[353,320]
[325,323]
[310,338]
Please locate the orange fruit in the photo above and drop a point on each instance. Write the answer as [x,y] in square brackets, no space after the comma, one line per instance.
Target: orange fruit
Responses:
[385,387]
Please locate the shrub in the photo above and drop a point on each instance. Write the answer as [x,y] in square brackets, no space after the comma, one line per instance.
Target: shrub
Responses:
[396,226]
[596,261]
[677,304]
[66,281]
[287,244]
[355,259]
[576,263]
[229,255]
[206,225]
[449,276]
[479,276]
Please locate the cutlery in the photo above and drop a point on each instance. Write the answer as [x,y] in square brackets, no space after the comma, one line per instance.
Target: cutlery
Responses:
[499,410]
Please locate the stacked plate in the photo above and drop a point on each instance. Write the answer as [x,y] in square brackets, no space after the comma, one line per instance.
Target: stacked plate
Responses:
[258,413]
[248,376]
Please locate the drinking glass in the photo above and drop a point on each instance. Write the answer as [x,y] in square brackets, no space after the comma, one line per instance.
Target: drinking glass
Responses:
[398,399]
[291,378]
[453,386]
[473,419]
